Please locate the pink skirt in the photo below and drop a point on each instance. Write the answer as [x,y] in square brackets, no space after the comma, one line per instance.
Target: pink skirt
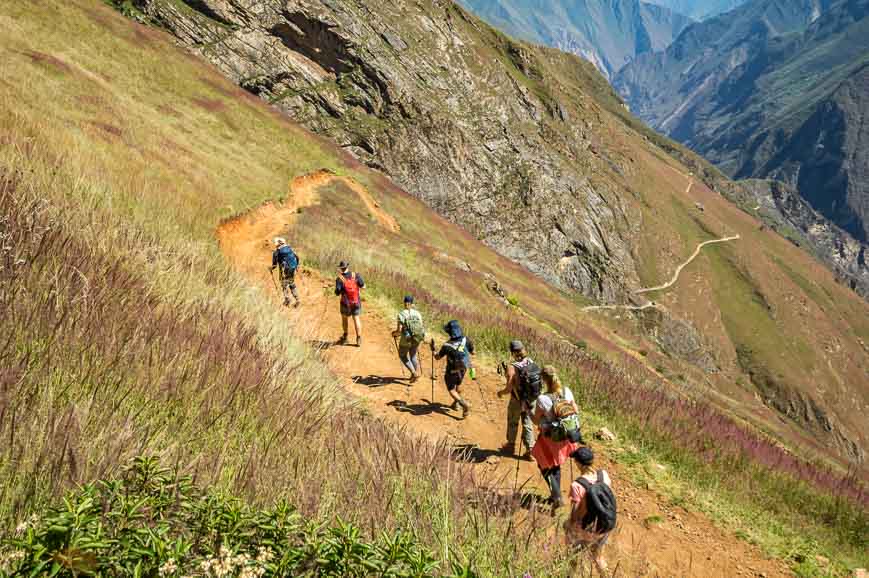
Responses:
[549,454]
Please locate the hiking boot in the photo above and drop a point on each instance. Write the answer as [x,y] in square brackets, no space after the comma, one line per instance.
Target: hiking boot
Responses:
[466,409]
[358,341]
[343,340]
[414,377]
[527,456]
[507,449]
[454,406]
[297,303]
[286,301]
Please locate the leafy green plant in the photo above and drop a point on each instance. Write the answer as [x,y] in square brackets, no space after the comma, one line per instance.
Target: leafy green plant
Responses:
[152,521]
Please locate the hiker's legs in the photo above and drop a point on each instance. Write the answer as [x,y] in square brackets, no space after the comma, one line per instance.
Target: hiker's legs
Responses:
[414,359]
[405,354]
[514,414]
[527,431]
[553,480]
[454,384]
[357,325]
[344,325]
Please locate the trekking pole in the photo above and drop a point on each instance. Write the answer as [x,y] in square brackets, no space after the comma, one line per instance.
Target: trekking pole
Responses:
[272,276]
[432,371]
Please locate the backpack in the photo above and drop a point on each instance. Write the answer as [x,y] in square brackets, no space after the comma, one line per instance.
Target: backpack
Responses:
[600,515]
[351,289]
[458,355]
[530,385]
[287,259]
[565,426]
[414,328]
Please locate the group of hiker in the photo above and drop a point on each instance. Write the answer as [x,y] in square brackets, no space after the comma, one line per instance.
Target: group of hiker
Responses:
[537,400]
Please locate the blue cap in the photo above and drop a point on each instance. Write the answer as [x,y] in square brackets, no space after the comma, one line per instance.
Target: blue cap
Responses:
[408,298]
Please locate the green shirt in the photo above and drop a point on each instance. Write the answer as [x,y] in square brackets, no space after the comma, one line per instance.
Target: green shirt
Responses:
[403,316]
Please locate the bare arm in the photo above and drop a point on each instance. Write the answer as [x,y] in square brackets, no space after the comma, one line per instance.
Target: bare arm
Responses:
[509,386]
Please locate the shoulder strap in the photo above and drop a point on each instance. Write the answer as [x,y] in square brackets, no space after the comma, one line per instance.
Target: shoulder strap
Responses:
[584,483]
[600,477]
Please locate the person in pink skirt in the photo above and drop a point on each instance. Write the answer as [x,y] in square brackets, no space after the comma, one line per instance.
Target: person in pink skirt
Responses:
[554,445]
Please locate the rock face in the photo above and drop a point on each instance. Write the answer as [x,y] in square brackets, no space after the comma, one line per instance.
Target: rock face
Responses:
[774,90]
[459,115]
[608,33]
[784,209]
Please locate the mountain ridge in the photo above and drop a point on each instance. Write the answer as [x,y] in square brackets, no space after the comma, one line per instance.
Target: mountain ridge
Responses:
[608,33]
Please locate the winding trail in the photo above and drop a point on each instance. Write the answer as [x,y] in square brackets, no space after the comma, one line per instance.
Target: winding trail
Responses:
[679,543]
[693,256]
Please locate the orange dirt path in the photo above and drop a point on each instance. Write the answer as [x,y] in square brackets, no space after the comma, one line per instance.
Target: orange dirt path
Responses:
[683,543]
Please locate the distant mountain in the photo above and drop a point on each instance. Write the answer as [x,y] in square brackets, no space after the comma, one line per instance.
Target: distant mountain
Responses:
[775,89]
[609,33]
[699,9]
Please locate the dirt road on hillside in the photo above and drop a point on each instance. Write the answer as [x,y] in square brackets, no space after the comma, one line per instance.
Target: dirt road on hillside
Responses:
[677,542]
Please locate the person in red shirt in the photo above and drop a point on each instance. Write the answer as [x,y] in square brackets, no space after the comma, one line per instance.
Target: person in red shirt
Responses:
[349,286]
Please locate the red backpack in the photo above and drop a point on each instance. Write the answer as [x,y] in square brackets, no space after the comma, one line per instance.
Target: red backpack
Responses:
[351,289]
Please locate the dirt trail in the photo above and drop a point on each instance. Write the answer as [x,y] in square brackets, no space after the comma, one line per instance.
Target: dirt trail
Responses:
[679,543]
[693,256]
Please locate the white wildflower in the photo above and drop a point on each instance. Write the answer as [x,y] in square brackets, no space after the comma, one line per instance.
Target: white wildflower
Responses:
[169,568]
[252,572]
[265,555]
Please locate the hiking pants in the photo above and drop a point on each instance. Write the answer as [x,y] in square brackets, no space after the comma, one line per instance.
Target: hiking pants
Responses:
[408,353]
[516,413]
[553,480]
[288,284]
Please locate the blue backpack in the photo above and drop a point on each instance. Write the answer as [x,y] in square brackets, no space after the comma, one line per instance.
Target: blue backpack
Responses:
[287,259]
[457,353]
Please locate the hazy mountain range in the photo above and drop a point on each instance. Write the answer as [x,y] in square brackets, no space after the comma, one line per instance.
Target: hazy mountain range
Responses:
[609,33]
[699,9]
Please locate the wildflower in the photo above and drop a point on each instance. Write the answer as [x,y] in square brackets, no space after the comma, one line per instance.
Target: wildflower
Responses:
[169,568]
[264,555]
[7,561]
[252,572]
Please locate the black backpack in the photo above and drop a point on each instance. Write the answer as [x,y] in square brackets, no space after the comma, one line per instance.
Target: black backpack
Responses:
[600,514]
[530,384]
[457,354]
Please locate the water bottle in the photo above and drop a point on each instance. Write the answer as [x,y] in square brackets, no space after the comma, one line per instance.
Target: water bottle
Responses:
[473,373]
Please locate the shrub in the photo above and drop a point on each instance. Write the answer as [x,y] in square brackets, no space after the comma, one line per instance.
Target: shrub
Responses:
[151,521]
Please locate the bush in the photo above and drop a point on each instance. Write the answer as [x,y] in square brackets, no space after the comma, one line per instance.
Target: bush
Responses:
[150,521]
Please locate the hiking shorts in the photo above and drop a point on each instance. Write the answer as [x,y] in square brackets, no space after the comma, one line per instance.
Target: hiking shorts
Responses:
[454,379]
[348,310]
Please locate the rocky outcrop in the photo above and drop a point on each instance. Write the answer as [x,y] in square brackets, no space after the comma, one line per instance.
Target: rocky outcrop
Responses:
[491,150]
[782,208]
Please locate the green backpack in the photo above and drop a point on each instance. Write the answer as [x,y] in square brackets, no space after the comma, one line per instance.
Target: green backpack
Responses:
[566,424]
[414,328]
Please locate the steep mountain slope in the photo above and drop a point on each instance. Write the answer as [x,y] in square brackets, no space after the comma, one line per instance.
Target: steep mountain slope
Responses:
[609,33]
[699,9]
[530,151]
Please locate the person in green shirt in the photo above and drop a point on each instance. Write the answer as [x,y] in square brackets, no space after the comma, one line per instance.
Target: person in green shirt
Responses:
[411,331]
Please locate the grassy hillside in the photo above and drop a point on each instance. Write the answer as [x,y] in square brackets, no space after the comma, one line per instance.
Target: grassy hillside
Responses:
[126,333]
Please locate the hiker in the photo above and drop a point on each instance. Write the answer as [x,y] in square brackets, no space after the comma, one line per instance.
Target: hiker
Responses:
[349,286]
[557,417]
[285,258]
[411,331]
[458,350]
[523,386]
[593,508]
